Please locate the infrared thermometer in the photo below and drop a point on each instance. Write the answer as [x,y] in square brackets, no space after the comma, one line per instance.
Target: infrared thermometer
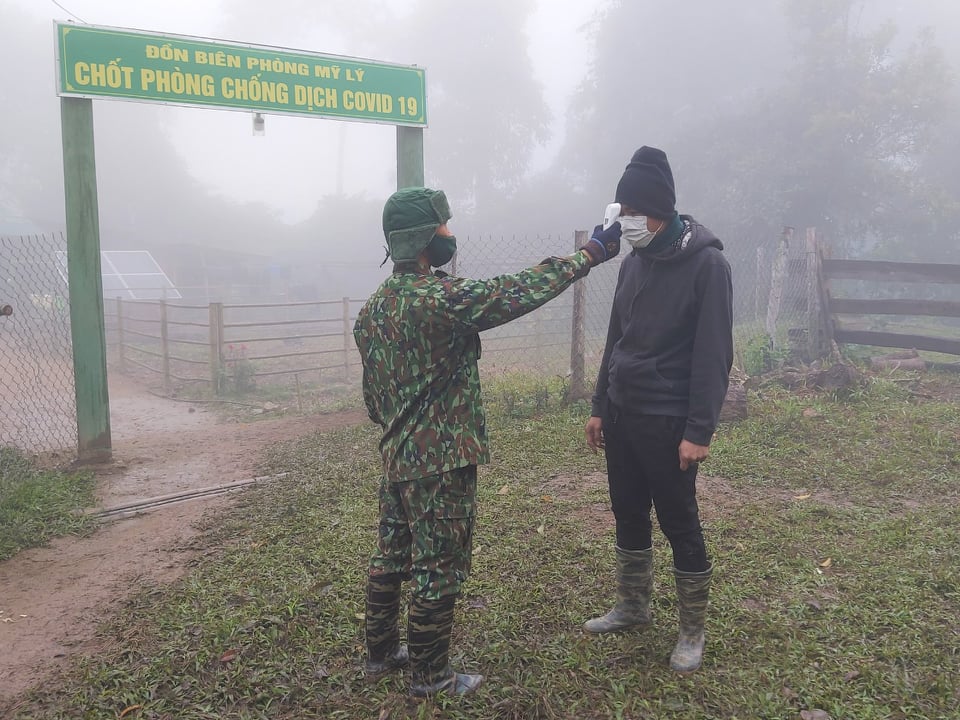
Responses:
[611,214]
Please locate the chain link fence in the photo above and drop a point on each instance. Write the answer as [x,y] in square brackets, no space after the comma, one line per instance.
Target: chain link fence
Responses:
[37,402]
[234,348]
[771,297]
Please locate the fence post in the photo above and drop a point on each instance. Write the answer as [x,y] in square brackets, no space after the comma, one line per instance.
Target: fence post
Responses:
[814,344]
[347,339]
[120,340]
[87,324]
[164,347]
[758,292]
[578,386]
[216,345]
[778,275]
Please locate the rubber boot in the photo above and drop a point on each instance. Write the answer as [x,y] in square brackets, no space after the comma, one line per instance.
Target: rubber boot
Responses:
[634,587]
[693,592]
[428,634]
[384,651]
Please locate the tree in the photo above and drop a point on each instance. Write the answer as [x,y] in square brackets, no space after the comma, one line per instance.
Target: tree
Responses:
[836,133]
[485,108]
[658,71]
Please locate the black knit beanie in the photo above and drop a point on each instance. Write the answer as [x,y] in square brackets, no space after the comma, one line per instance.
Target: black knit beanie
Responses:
[647,184]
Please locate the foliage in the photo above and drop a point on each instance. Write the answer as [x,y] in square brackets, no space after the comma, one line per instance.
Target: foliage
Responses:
[834,527]
[834,125]
[478,152]
[760,355]
[237,371]
[37,505]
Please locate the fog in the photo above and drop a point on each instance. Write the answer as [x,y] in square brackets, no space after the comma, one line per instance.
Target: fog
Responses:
[838,114]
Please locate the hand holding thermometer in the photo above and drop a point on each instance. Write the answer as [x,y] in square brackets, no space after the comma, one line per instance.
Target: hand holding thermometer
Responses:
[611,214]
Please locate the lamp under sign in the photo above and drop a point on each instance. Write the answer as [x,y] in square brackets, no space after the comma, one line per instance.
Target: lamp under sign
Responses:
[258,124]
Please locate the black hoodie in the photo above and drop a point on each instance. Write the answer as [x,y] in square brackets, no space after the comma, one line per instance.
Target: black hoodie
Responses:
[670,342]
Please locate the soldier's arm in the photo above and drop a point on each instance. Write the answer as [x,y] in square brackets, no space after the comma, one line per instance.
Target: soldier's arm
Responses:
[476,305]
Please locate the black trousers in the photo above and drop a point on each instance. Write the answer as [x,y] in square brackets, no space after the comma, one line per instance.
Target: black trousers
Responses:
[643,470]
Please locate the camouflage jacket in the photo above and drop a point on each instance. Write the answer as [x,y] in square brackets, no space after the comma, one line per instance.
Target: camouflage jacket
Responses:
[419,343]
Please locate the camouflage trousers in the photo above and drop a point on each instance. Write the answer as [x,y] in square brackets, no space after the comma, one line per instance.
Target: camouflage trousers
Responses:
[426,531]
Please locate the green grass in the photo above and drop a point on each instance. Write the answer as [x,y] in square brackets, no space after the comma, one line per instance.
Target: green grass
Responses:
[37,505]
[837,585]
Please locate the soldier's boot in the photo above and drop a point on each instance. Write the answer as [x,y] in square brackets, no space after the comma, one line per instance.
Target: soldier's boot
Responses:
[634,588]
[428,635]
[384,651]
[693,592]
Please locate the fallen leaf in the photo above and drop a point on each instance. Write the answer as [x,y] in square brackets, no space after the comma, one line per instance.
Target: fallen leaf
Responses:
[826,563]
[504,490]
[546,498]
[477,549]
[542,529]
[814,604]
[806,496]
[360,616]
[129,709]
[810,412]
[789,693]
[229,655]
[814,715]
[852,675]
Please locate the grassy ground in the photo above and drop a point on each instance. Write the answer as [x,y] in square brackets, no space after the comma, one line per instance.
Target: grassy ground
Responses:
[37,505]
[834,526]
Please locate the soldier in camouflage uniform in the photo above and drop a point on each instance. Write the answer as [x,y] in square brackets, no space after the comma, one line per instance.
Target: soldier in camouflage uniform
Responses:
[419,343]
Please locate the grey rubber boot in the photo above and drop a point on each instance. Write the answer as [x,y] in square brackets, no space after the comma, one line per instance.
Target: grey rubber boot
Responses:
[428,634]
[634,588]
[384,651]
[693,592]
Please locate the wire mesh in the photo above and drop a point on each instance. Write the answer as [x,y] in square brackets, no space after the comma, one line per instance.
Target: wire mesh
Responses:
[37,402]
[771,295]
[178,343]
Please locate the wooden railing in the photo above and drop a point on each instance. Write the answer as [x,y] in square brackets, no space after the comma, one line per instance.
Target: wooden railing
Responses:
[840,309]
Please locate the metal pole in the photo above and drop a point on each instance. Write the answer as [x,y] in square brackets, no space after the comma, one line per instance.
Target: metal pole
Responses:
[87,324]
[409,157]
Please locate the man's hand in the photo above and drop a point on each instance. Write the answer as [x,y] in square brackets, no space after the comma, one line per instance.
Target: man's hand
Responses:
[691,453]
[603,244]
[594,431]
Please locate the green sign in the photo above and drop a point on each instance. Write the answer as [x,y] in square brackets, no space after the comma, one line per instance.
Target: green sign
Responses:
[133,65]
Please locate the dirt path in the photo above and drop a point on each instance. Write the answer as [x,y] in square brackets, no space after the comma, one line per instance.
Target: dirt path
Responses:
[56,596]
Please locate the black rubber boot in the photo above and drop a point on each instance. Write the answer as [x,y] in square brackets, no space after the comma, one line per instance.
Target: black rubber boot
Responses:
[384,651]
[428,634]
[634,588]
[693,594]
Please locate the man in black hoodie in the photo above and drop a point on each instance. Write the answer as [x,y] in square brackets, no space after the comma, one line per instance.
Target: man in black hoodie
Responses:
[661,385]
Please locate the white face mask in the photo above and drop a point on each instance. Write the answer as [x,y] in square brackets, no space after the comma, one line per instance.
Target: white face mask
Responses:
[633,229]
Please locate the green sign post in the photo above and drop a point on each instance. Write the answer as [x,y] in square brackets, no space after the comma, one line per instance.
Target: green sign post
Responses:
[100,62]
[105,62]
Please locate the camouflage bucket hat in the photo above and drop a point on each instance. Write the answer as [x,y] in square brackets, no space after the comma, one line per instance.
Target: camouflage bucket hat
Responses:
[410,218]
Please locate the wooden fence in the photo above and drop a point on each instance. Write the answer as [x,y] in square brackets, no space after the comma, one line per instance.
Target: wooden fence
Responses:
[224,345]
[848,317]
[210,343]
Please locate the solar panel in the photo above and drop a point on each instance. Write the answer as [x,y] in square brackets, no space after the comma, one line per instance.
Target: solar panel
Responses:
[130,274]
